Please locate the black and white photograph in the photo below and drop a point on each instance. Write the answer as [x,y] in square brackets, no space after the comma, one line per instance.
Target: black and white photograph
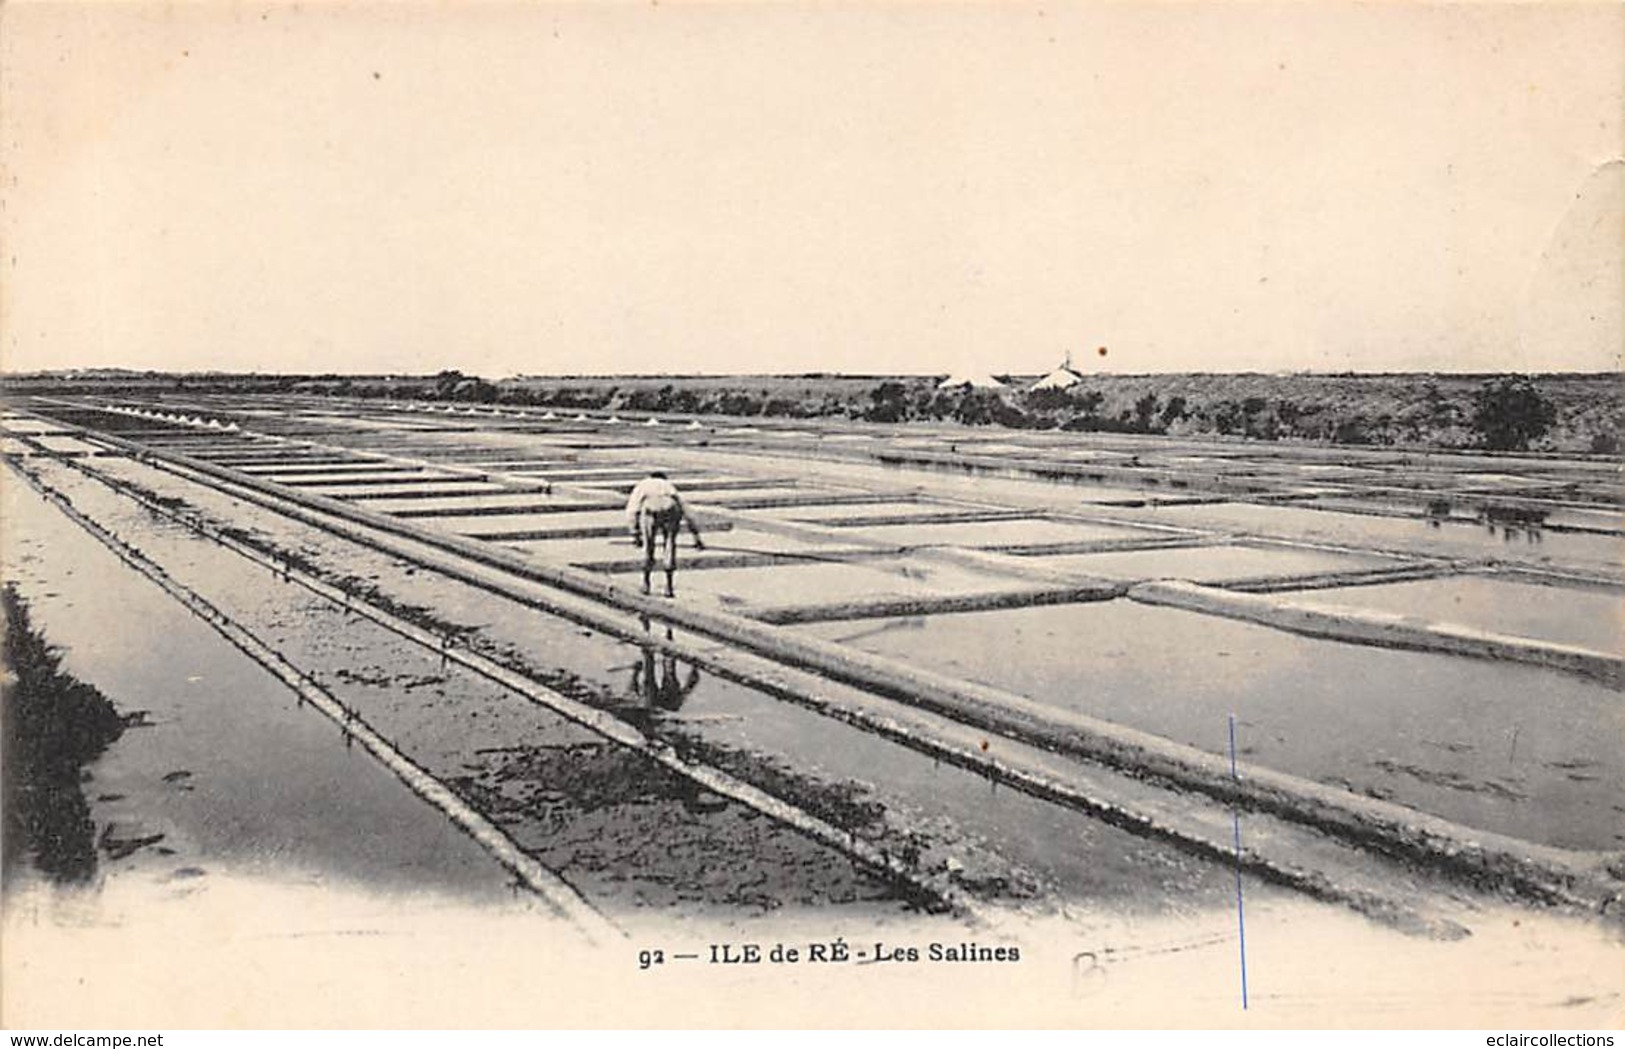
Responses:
[531,516]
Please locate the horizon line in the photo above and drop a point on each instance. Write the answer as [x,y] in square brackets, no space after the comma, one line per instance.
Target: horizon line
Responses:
[815,374]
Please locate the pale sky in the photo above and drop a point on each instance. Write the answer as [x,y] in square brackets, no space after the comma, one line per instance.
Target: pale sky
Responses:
[861,187]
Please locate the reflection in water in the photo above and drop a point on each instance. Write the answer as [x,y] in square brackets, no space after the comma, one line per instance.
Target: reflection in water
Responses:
[658,682]
[1513,523]
[1510,523]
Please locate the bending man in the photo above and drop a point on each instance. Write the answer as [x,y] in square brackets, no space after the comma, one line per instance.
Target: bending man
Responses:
[656,513]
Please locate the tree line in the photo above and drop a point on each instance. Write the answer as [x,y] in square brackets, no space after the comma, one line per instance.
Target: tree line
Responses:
[1499,413]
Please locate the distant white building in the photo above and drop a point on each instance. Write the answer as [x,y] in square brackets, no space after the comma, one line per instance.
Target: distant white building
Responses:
[1061,378]
[976,381]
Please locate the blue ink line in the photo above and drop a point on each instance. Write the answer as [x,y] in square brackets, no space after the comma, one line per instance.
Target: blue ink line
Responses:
[1241,921]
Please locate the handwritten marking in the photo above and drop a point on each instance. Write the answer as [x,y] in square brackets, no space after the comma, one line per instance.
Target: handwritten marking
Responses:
[1235,815]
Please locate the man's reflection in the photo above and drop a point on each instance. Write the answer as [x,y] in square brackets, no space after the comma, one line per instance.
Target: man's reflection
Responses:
[662,688]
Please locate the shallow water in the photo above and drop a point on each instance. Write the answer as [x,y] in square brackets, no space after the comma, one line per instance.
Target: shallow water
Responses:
[25,424]
[237,778]
[1207,564]
[498,500]
[624,480]
[254,460]
[347,473]
[626,832]
[1444,539]
[566,517]
[1603,520]
[813,512]
[1026,530]
[450,487]
[70,445]
[1508,748]
[1077,488]
[727,497]
[951,812]
[586,474]
[370,476]
[1576,617]
[718,543]
[813,582]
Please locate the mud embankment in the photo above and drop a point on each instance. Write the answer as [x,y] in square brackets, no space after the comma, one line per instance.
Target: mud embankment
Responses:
[53,726]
